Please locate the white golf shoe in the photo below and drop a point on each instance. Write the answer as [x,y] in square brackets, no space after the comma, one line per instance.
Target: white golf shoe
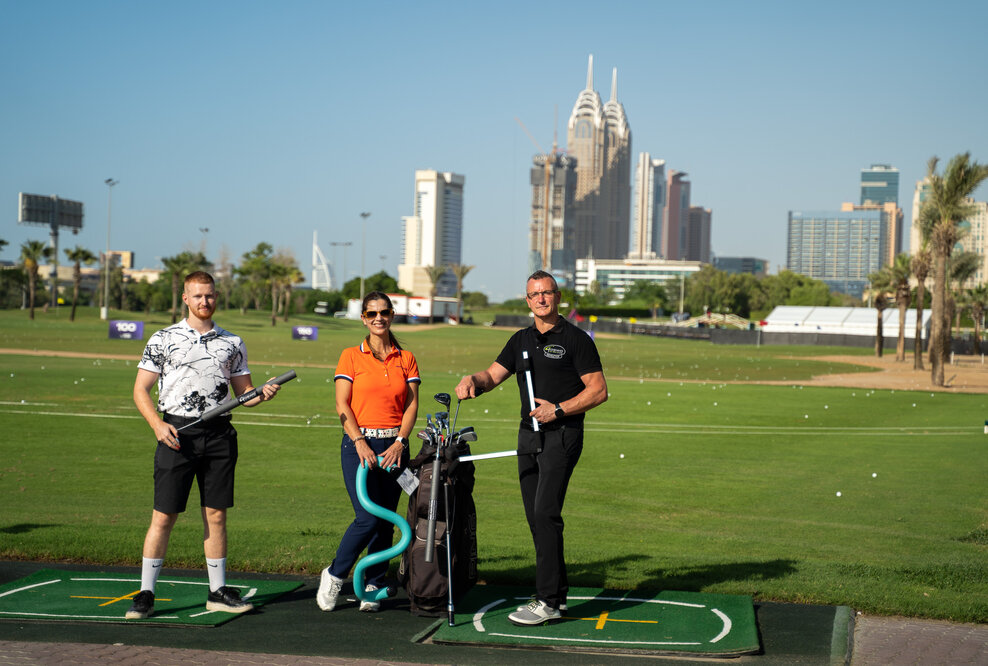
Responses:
[370,606]
[537,612]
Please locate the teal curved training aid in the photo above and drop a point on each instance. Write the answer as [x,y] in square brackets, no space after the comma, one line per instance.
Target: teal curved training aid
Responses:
[384,555]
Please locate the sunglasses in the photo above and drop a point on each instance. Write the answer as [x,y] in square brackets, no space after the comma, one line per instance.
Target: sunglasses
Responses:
[372,314]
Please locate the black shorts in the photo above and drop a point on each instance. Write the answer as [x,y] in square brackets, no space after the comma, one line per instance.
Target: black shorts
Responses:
[208,454]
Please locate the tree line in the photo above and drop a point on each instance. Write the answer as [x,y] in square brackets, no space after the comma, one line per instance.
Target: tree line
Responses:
[265,279]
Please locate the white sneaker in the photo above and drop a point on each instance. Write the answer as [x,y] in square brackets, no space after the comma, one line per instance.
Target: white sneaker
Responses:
[370,606]
[329,589]
[563,608]
[537,612]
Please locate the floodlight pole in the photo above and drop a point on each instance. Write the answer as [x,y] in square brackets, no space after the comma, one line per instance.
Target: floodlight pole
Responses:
[105,310]
[363,252]
[53,239]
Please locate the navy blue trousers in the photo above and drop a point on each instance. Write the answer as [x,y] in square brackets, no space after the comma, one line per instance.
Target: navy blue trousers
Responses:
[366,530]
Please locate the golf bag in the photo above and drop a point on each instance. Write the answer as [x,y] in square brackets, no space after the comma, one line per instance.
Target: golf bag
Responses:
[427,584]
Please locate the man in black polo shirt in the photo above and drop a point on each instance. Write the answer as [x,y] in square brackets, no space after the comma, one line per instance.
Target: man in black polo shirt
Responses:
[567,380]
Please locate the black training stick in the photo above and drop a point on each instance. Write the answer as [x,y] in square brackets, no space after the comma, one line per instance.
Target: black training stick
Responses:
[239,400]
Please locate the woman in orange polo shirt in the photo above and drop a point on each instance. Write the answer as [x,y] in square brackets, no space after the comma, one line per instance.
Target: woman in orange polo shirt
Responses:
[377,388]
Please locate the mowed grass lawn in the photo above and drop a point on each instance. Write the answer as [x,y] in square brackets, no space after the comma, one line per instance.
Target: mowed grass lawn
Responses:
[688,480]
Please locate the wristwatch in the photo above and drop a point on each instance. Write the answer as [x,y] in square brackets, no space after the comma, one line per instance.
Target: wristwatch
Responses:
[559,411]
[404,441]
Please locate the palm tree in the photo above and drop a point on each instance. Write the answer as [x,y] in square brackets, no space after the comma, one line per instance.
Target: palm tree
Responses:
[175,267]
[460,271]
[253,273]
[294,277]
[898,274]
[434,273]
[920,265]
[948,199]
[963,266]
[32,252]
[881,281]
[977,299]
[277,274]
[78,256]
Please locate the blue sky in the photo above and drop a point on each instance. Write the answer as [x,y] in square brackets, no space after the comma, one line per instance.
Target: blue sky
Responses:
[266,121]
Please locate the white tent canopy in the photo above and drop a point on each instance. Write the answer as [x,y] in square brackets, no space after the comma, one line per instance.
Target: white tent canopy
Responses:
[842,321]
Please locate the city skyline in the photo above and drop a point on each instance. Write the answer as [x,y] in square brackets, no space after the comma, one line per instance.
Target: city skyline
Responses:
[265,123]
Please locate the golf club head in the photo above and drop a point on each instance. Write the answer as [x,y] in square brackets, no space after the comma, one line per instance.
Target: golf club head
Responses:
[443,416]
[424,435]
[466,429]
[470,436]
[443,399]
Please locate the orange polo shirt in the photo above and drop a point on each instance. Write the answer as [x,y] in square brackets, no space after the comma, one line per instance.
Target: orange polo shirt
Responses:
[379,387]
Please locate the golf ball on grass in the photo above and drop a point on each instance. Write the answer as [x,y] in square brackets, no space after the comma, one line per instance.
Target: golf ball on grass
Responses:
[874,475]
[838,493]
[622,455]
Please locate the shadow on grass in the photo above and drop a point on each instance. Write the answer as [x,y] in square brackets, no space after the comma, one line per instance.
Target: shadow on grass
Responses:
[24,528]
[687,579]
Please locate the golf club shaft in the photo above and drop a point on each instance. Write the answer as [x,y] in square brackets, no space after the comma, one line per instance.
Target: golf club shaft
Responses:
[486,456]
[239,400]
[455,414]
[430,537]
[449,558]
[531,391]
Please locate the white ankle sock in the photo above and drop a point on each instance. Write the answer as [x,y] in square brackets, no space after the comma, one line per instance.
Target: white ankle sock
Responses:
[217,573]
[150,570]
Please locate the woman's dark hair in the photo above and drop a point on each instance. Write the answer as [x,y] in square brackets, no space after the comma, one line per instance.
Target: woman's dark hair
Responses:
[381,296]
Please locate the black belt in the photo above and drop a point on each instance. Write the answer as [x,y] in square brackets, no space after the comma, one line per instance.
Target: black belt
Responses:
[217,421]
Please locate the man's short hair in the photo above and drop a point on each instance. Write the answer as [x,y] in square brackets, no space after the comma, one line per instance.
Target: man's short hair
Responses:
[199,277]
[542,275]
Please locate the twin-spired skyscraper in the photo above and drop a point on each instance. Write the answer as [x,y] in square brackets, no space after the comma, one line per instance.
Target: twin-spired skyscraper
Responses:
[581,198]
[599,137]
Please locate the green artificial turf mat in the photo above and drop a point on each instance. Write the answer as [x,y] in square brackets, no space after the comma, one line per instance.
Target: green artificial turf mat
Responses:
[74,596]
[666,622]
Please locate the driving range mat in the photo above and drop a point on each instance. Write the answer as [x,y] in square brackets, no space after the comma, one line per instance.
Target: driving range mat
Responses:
[75,596]
[680,623]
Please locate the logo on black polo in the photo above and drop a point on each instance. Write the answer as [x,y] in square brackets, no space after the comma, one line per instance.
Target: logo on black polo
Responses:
[553,351]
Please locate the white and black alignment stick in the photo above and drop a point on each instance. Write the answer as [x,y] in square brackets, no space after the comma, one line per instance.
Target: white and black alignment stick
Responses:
[531,392]
[239,400]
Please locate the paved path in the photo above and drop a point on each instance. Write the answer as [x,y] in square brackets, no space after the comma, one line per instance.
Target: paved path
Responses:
[900,641]
[878,641]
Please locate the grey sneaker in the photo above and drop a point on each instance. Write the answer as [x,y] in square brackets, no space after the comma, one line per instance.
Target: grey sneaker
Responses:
[563,608]
[142,607]
[329,589]
[370,606]
[537,612]
[227,600]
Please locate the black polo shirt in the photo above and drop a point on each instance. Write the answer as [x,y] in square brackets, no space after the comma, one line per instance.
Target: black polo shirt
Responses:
[559,358]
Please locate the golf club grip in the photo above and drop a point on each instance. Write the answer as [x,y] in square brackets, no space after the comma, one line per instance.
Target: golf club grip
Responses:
[245,397]
[430,536]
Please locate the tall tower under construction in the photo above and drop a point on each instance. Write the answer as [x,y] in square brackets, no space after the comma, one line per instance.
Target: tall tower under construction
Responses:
[553,179]
[599,137]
